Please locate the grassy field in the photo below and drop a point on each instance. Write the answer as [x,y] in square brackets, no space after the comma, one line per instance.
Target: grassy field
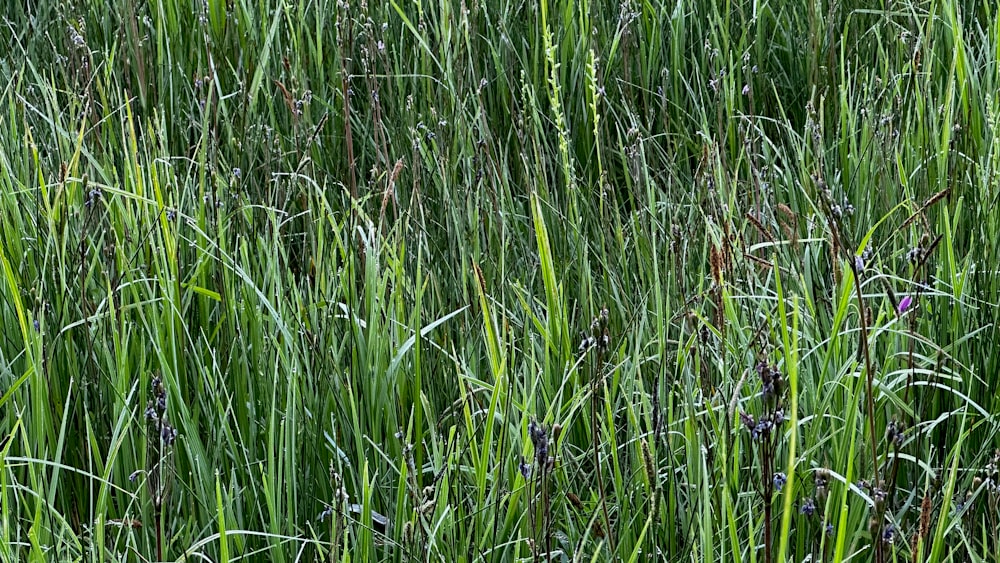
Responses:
[494,281]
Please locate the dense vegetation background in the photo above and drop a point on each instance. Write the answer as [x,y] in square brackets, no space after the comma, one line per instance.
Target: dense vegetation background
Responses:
[499,281]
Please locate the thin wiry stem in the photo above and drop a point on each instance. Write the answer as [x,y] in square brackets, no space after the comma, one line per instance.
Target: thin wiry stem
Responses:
[597,459]
[870,398]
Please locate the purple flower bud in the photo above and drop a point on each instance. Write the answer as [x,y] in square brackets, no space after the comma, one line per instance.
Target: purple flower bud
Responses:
[905,304]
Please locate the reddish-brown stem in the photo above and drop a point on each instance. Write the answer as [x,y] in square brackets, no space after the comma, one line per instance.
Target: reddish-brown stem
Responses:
[870,398]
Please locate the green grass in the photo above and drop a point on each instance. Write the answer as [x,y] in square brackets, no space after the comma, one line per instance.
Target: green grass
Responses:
[360,245]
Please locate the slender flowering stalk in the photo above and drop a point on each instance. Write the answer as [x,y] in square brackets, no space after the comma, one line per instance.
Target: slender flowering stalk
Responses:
[765,431]
[600,340]
[160,437]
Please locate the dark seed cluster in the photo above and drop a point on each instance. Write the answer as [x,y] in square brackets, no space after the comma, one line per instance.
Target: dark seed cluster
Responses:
[916,254]
[156,411]
[992,471]
[773,382]
[779,480]
[821,480]
[762,428]
[92,197]
[539,436]
[598,337]
[889,534]
[810,507]
[863,259]
[894,433]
